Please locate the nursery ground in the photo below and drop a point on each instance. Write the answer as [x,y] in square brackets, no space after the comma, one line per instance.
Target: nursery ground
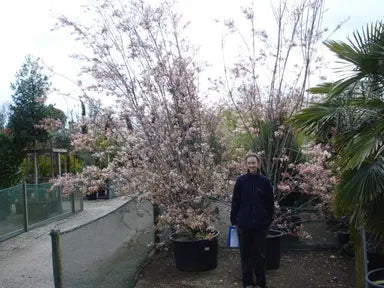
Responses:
[298,269]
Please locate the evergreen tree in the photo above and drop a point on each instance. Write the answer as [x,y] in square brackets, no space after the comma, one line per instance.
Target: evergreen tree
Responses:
[30,89]
[28,109]
[10,162]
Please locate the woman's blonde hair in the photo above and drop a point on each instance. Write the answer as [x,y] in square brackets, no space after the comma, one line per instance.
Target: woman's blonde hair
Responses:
[252,155]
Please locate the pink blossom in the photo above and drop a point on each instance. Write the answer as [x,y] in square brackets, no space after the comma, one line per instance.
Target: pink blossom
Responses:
[49,124]
[313,176]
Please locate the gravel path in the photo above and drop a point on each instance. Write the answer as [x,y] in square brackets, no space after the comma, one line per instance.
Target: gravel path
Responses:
[26,261]
[298,269]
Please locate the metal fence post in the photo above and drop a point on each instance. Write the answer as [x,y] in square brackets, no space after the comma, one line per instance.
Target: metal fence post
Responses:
[56,259]
[25,203]
[60,200]
[108,188]
[81,201]
[73,202]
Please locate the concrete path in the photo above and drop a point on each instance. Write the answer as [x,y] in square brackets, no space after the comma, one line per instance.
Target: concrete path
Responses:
[26,260]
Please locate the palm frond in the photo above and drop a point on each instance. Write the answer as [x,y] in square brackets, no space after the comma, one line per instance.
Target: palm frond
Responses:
[361,187]
[324,88]
[365,51]
[365,139]
[319,118]
[362,147]
[355,104]
[373,104]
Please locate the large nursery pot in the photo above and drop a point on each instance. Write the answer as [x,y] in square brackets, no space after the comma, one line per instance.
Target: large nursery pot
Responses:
[273,249]
[195,255]
[375,278]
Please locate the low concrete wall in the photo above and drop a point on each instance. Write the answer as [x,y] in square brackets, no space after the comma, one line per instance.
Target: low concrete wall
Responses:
[106,252]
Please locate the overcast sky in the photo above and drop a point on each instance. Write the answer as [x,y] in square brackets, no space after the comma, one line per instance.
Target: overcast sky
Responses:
[25,28]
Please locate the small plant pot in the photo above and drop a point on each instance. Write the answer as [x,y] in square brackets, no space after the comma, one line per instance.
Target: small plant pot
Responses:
[375,278]
[92,196]
[273,249]
[195,255]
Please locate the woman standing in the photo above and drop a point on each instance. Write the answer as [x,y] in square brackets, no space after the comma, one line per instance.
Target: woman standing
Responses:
[252,213]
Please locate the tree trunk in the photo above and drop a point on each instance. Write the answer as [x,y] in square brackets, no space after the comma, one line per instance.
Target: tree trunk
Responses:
[359,260]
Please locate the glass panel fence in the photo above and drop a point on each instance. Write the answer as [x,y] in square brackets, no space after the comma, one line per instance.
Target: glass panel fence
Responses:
[11,210]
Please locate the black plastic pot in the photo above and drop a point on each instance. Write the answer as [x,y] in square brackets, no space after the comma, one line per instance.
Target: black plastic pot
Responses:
[92,196]
[273,249]
[375,278]
[195,255]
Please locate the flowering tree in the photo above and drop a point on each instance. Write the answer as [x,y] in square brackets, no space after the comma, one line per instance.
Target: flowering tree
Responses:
[161,135]
[267,83]
[49,124]
[312,176]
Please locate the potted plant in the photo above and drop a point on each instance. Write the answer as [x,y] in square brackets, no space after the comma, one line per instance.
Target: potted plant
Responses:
[161,144]
[169,160]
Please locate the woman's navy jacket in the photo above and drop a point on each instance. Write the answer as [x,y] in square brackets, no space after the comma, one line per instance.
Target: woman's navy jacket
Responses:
[252,202]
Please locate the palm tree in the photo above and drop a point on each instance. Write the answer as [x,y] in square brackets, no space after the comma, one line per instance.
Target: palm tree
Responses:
[353,114]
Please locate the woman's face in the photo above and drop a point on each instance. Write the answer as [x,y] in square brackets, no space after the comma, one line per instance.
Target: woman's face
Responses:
[252,164]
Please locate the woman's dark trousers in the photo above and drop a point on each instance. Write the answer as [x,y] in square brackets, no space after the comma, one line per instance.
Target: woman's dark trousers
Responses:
[253,255]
